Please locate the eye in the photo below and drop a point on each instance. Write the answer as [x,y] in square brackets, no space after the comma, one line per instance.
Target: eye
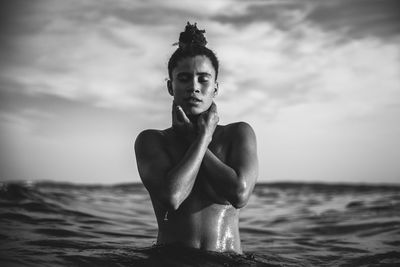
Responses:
[204,79]
[183,77]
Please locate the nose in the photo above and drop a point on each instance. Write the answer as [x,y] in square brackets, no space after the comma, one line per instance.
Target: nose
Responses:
[194,86]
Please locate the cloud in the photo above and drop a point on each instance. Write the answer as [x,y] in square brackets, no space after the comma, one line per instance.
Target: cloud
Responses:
[281,14]
[359,18]
[303,66]
[277,68]
[50,116]
[77,74]
[44,136]
[349,19]
[107,64]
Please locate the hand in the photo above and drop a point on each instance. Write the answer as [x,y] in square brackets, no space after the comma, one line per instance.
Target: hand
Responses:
[208,121]
[182,124]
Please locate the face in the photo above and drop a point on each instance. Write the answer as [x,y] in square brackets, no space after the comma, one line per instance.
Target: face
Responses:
[193,84]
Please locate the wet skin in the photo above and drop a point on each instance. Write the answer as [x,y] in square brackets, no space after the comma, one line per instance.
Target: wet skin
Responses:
[198,173]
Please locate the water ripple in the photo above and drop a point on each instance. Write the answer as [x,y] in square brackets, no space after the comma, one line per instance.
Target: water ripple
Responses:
[53,224]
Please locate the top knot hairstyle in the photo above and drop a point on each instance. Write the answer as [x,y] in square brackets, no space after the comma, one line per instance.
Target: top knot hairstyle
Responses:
[192,36]
[192,42]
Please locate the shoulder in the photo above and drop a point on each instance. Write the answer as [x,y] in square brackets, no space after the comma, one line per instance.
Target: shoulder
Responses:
[149,134]
[149,137]
[238,129]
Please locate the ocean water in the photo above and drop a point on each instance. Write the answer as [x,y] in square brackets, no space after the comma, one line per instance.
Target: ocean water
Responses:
[285,224]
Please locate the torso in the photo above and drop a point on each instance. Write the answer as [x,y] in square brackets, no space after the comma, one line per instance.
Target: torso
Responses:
[204,220]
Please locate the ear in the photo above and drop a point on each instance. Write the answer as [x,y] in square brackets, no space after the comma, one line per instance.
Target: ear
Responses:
[216,88]
[169,87]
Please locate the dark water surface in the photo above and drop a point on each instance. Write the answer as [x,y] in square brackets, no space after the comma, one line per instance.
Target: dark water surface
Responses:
[53,224]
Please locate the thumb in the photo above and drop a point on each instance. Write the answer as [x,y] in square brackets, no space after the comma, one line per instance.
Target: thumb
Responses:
[201,120]
[213,107]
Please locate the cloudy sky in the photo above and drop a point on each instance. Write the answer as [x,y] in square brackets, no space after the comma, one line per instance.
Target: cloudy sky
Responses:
[319,81]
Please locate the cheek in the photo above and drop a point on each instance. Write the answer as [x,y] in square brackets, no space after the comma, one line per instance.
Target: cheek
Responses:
[178,92]
[207,102]
[210,93]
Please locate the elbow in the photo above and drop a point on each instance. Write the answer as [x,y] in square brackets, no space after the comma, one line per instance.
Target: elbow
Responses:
[173,202]
[241,195]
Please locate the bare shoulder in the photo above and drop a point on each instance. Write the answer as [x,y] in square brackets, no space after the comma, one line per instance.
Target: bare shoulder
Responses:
[239,129]
[150,145]
[150,137]
[151,157]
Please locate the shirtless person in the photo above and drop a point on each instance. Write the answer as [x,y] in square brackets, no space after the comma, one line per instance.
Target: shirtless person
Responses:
[198,173]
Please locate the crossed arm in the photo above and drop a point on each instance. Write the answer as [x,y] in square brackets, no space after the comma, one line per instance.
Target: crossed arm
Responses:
[236,178]
[171,185]
[168,184]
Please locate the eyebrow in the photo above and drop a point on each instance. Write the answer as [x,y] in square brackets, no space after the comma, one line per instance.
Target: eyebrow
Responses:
[204,73]
[198,73]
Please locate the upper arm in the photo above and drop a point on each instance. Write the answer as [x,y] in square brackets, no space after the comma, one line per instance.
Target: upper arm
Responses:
[243,155]
[152,161]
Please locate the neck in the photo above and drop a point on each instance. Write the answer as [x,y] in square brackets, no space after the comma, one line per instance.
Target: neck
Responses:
[193,118]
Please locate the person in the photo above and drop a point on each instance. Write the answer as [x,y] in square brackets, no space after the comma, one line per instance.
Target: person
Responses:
[199,174]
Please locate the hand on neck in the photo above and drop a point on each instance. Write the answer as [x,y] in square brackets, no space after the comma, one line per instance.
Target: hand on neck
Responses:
[193,118]
[186,129]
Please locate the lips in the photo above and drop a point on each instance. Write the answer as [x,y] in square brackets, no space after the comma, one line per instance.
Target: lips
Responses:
[192,99]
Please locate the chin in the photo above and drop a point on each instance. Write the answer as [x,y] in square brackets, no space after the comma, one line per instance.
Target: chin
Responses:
[194,111]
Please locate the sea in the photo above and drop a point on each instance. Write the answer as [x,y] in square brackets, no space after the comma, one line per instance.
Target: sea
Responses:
[283,224]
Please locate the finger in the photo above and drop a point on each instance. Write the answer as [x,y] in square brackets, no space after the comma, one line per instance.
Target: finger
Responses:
[182,115]
[201,120]
[173,109]
[175,116]
[179,114]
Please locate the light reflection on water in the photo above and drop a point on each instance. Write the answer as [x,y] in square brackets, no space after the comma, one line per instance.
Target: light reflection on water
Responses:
[50,224]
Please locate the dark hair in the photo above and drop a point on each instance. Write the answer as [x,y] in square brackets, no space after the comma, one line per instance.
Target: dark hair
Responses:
[192,42]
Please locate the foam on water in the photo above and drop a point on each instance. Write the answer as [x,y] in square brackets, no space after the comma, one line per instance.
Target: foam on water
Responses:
[54,224]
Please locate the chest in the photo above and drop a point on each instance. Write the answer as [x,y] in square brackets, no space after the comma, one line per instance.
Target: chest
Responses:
[203,191]
[177,148]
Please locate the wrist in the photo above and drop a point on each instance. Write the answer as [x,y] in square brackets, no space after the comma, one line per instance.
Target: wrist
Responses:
[206,137]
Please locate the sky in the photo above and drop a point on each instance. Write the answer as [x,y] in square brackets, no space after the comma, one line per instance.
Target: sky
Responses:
[319,82]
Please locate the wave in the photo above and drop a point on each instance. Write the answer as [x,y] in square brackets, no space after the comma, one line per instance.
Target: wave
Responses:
[284,224]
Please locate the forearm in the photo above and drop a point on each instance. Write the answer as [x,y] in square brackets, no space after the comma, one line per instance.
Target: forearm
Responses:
[224,179]
[181,178]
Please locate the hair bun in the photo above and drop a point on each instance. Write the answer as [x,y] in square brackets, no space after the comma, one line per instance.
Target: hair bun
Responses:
[191,36]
